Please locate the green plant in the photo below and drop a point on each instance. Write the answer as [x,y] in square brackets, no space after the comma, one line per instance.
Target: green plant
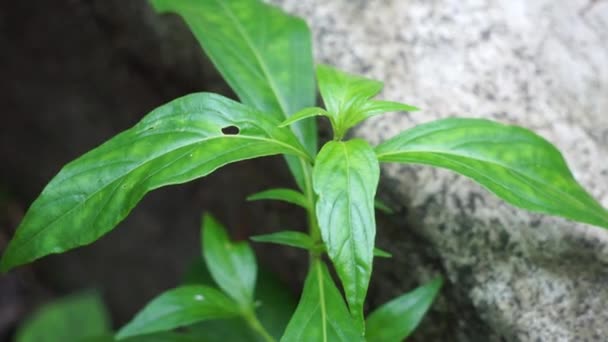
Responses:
[265,56]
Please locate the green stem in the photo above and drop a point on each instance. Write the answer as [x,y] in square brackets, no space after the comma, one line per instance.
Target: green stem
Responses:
[313,228]
[256,325]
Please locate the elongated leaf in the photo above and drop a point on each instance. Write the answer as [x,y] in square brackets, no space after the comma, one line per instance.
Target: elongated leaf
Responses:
[154,337]
[232,264]
[304,241]
[397,319]
[68,319]
[275,304]
[345,179]
[375,107]
[512,162]
[321,314]
[287,195]
[180,307]
[382,253]
[287,237]
[348,98]
[177,142]
[382,207]
[304,114]
[264,54]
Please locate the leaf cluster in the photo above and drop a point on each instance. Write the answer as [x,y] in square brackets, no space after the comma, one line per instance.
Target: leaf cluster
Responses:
[266,57]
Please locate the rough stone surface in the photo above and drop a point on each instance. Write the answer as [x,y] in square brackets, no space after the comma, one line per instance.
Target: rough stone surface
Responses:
[511,275]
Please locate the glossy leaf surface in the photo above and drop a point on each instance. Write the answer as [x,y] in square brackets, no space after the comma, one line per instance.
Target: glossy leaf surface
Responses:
[177,142]
[517,165]
[397,319]
[321,314]
[348,98]
[264,54]
[345,178]
[73,318]
[180,307]
[232,264]
[286,195]
[288,238]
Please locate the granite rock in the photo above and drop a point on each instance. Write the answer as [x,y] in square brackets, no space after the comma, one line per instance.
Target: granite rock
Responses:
[512,275]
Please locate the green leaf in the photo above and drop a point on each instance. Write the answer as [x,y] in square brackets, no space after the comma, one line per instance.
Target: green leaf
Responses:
[177,142]
[287,237]
[374,107]
[275,305]
[378,204]
[286,195]
[348,98]
[301,240]
[381,253]
[342,92]
[512,162]
[68,319]
[345,178]
[304,114]
[264,54]
[180,307]
[321,314]
[232,264]
[397,319]
[155,337]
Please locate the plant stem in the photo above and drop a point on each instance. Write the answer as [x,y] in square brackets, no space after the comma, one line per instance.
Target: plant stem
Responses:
[313,228]
[256,325]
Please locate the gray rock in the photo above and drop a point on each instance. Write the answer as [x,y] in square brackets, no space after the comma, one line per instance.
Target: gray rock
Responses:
[541,64]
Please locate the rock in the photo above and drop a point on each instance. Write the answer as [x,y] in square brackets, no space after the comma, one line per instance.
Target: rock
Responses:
[543,65]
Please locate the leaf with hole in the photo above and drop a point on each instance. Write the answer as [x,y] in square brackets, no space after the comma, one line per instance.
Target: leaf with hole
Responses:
[264,54]
[180,307]
[176,143]
[515,164]
[345,178]
[397,319]
[286,195]
[231,264]
[321,314]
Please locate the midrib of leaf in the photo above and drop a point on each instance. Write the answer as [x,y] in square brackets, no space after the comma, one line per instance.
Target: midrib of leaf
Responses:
[352,245]
[259,59]
[580,205]
[110,182]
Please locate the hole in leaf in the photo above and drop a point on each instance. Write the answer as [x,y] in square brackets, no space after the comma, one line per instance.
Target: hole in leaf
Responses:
[230,130]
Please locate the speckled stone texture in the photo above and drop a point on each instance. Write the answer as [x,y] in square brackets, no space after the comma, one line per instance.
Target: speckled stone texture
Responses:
[541,64]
